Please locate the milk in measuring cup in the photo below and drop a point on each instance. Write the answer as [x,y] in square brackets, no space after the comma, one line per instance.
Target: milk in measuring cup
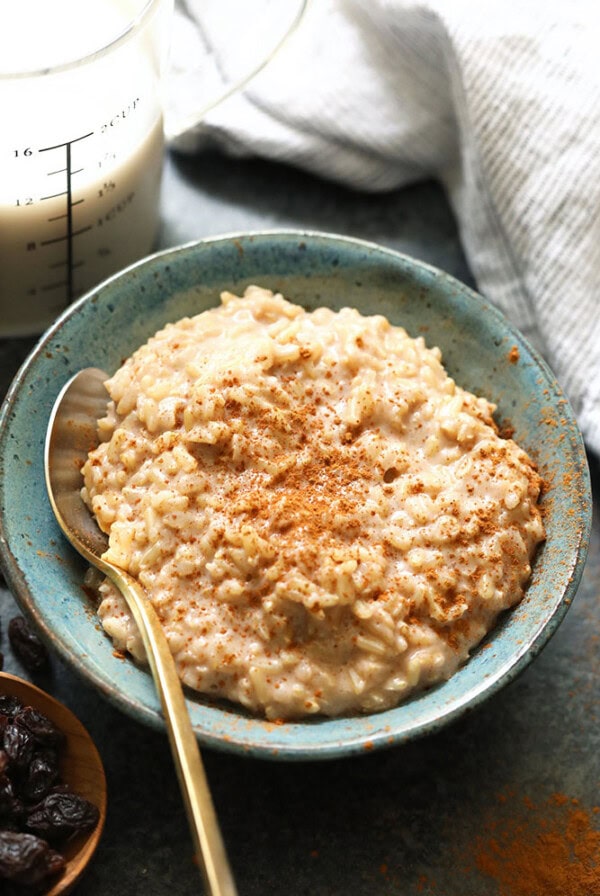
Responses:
[81,151]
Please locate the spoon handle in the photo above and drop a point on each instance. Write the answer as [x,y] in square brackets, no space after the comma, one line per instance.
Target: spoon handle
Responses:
[204,825]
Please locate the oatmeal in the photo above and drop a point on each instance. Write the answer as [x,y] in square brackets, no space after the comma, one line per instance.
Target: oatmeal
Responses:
[324,521]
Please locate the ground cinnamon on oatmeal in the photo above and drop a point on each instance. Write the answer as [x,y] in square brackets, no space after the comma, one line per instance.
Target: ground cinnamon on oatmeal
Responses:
[324,521]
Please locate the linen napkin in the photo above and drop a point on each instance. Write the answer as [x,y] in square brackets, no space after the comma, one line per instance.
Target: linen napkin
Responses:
[498,100]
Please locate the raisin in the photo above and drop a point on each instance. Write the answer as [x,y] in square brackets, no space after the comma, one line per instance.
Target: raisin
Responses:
[44,731]
[41,774]
[26,645]
[9,705]
[37,810]
[26,859]
[11,807]
[18,745]
[62,815]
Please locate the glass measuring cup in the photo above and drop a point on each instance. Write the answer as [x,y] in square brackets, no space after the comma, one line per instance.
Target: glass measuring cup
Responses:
[82,143]
[81,149]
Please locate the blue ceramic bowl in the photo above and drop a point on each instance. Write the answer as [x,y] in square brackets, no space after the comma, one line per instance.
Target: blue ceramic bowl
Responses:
[310,269]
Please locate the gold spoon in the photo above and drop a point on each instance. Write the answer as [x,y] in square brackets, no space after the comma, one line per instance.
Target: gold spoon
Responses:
[72,432]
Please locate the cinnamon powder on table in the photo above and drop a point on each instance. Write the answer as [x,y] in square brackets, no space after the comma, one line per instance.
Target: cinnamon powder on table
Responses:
[546,849]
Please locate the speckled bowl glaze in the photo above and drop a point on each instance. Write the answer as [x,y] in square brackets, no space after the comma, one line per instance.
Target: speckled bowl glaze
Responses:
[311,269]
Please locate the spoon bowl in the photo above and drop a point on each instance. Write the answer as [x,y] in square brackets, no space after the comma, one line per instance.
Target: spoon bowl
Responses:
[72,432]
[81,770]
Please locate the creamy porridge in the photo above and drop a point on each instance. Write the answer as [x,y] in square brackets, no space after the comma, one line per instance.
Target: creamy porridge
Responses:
[323,520]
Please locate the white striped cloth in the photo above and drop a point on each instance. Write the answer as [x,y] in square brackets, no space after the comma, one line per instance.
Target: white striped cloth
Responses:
[498,99]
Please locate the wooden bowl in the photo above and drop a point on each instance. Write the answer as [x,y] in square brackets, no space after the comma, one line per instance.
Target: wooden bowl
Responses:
[81,769]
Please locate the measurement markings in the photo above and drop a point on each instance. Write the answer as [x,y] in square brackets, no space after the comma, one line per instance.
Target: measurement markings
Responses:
[67,236]
[62,171]
[62,264]
[50,286]
[66,143]
[64,215]
[71,233]
[55,195]
[69,224]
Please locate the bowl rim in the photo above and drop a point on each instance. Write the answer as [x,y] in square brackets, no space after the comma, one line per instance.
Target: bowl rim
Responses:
[282,748]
